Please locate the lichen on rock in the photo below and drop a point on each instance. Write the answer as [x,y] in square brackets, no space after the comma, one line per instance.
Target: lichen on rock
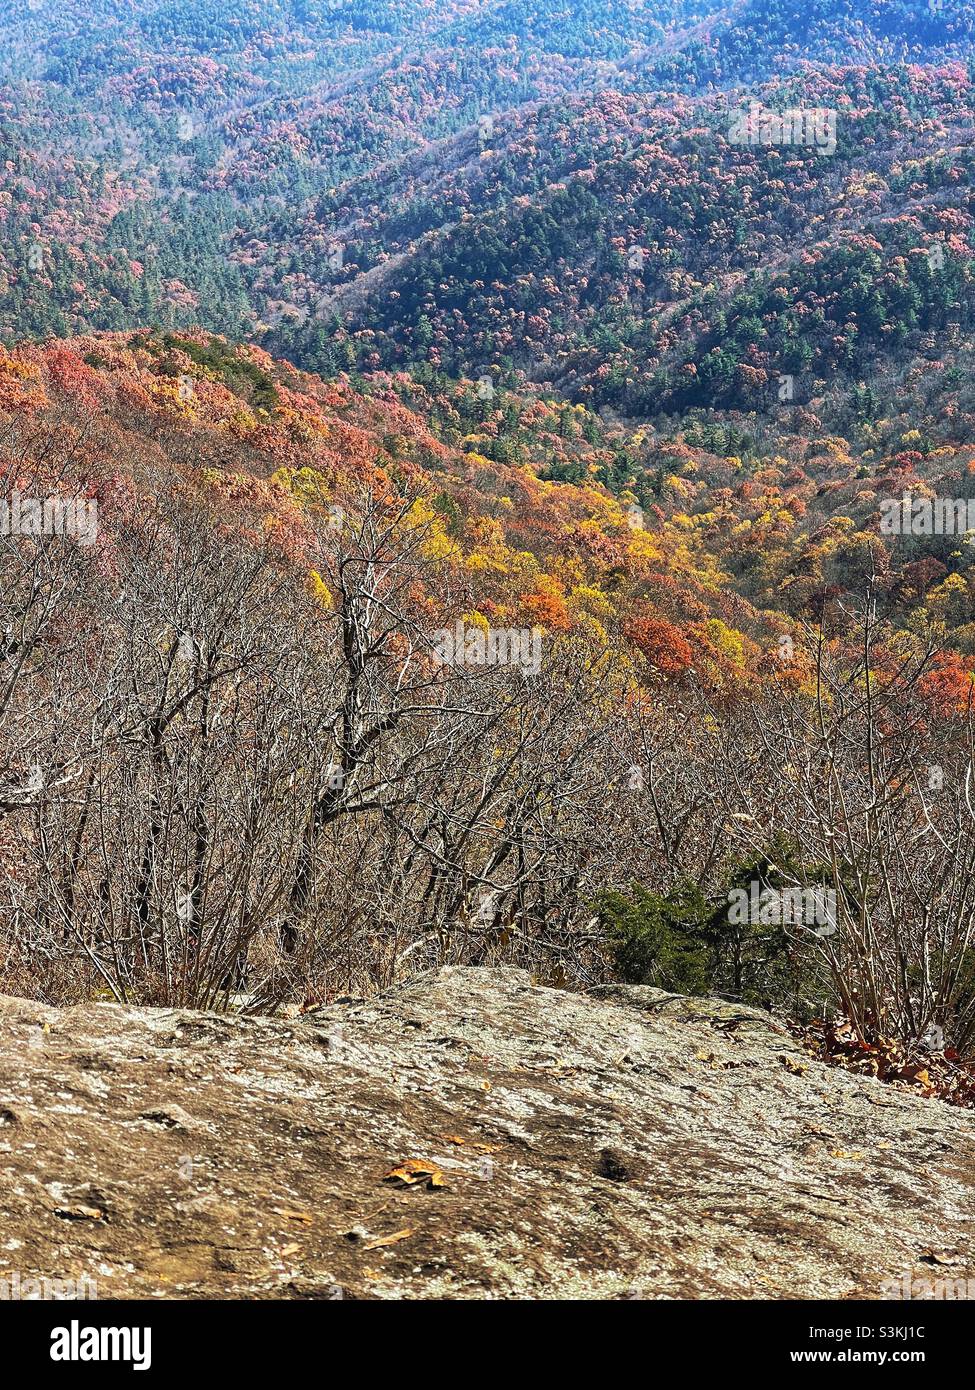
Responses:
[620,1144]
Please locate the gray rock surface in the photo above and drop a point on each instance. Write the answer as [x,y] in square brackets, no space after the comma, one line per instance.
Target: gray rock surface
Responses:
[617,1145]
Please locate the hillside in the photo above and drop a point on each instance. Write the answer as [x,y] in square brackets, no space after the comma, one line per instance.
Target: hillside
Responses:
[628,253]
[487,662]
[530,525]
[481,194]
[273,668]
[621,1145]
[726,540]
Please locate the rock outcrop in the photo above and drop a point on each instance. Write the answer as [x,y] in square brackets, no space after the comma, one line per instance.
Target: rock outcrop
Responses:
[622,1144]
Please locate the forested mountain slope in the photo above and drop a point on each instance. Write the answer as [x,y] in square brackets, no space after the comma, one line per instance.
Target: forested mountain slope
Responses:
[377,332]
[470,181]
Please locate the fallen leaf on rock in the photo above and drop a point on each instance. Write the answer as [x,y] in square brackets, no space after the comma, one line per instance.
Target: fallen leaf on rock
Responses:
[416,1170]
[296,1216]
[476,1144]
[79,1213]
[719,1064]
[797,1068]
[389,1240]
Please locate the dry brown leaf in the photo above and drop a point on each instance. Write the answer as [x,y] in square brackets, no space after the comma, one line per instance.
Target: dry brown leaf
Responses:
[416,1170]
[797,1068]
[296,1215]
[389,1240]
[79,1213]
[477,1145]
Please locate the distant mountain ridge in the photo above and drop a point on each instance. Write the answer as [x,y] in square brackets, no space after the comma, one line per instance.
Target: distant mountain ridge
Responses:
[753,343]
[240,166]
